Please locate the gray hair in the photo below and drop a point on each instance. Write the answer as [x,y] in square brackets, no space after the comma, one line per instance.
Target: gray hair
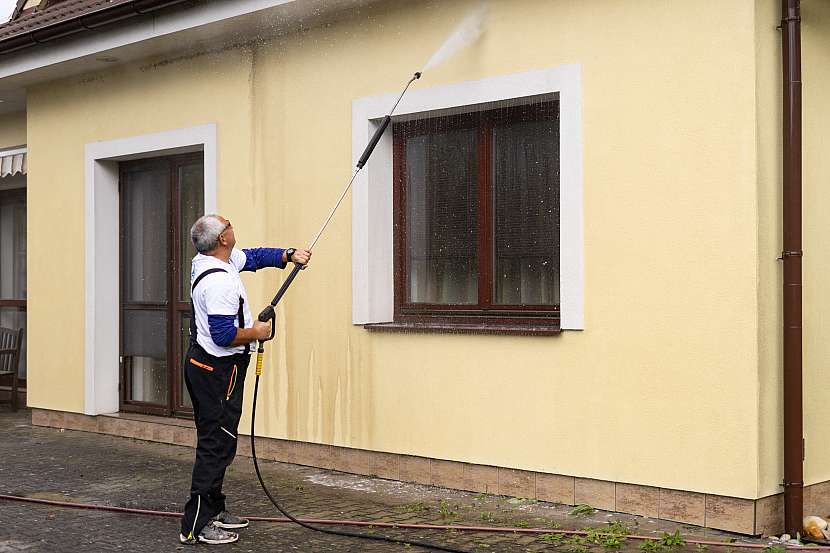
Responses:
[205,233]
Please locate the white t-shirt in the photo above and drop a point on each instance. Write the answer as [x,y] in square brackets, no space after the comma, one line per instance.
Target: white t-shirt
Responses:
[218,294]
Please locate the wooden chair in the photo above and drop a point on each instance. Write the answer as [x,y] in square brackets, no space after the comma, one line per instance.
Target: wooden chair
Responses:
[10,343]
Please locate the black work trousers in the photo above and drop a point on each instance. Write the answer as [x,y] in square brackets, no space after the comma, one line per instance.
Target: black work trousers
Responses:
[216,388]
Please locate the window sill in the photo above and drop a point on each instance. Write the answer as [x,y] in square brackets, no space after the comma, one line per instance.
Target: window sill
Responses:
[516,329]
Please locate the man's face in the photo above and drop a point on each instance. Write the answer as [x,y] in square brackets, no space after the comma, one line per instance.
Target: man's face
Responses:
[226,237]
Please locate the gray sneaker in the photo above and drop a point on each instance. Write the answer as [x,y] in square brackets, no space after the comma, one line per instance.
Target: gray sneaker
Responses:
[229,522]
[211,534]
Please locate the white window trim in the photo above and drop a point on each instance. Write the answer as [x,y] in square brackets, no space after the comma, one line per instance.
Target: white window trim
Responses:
[101,246]
[372,233]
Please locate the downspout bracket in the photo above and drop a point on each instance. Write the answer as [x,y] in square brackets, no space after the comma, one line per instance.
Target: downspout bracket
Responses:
[791,253]
[784,21]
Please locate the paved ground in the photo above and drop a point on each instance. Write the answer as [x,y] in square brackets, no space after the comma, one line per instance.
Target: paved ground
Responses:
[91,468]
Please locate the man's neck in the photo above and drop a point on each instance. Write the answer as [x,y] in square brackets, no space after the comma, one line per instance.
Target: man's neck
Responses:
[223,254]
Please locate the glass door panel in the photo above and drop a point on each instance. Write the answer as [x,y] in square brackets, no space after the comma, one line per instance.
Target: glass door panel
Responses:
[145,282]
[190,201]
[191,207]
[184,340]
[160,200]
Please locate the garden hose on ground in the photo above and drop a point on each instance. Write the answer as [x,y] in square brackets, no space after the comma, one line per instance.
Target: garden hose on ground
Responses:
[457,528]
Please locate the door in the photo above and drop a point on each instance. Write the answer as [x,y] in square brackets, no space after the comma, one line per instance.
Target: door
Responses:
[160,199]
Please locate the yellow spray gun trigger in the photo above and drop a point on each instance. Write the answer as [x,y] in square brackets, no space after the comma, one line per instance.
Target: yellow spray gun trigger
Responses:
[259,353]
[267,314]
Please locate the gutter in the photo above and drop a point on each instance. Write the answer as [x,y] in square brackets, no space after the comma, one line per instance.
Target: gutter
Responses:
[86,22]
[791,257]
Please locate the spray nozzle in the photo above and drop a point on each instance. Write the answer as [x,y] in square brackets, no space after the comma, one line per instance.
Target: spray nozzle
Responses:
[383,124]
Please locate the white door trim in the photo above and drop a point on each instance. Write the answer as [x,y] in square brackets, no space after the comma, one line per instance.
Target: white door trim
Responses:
[101,286]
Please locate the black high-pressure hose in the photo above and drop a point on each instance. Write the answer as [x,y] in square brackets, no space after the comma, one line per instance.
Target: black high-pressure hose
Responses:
[268,314]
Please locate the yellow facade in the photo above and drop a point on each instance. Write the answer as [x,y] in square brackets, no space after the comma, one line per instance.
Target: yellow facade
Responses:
[816,202]
[674,381]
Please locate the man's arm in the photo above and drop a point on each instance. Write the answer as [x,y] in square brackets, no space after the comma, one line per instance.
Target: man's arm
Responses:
[225,334]
[260,331]
[260,258]
[222,305]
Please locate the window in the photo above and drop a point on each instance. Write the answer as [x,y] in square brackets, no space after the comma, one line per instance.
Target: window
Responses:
[160,200]
[13,265]
[476,209]
[376,216]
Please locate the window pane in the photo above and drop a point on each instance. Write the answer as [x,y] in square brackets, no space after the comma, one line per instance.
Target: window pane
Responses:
[441,221]
[12,317]
[184,333]
[144,347]
[147,379]
[191,205]
[145,227]
[526,211]
[13,244]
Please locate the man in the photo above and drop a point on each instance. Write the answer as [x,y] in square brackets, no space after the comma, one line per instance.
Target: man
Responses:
[221,332]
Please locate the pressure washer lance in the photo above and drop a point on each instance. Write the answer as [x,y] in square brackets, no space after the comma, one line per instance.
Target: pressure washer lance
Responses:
[268,314]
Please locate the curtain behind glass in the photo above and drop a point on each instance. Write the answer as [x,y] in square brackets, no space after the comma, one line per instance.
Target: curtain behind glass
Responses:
[441,218]
[13,263]
[526,193]
[191,207]
[13,245]
[144,227]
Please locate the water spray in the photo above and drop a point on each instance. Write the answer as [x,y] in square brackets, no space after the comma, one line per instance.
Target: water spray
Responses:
[467,32]
[268,314]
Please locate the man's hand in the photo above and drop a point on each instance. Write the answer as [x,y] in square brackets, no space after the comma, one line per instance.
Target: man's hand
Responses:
[262,331]
[301,257]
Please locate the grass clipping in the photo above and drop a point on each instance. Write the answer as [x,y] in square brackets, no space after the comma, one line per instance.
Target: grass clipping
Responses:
[611,537]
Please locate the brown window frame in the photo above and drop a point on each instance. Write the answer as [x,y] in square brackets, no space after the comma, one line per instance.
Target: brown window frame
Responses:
[485,316]
[177,309]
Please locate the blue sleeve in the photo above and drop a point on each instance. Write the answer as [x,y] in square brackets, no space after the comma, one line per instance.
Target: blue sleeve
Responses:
[259,258]
[222,329]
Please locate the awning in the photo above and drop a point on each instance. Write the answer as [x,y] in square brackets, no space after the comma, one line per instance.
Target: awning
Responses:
[12,162]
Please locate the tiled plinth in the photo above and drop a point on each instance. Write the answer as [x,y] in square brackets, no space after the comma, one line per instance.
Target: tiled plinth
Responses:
[745,516]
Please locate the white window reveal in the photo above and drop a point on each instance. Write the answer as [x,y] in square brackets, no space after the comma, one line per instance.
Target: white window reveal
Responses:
[472,206]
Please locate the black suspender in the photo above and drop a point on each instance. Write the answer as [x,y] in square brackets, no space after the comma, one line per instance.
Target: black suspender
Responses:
[240,314]
[203,275]
[240,317]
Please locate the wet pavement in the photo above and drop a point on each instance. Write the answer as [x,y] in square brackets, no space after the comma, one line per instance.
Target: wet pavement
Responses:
[83,467]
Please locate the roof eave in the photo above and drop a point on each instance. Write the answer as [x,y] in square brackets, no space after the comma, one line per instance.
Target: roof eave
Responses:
[85,22]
